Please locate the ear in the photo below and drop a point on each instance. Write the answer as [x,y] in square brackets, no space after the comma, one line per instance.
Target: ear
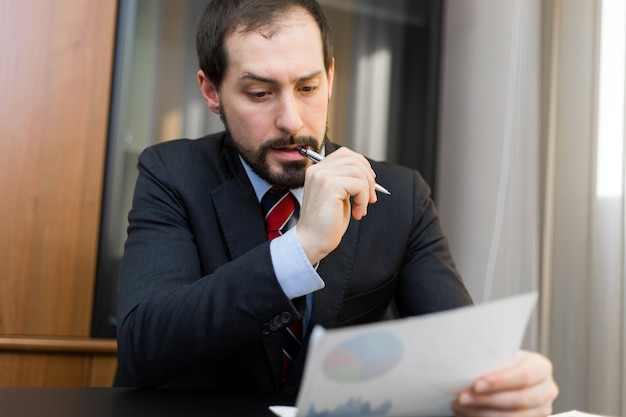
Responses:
[331,77]
[209,92]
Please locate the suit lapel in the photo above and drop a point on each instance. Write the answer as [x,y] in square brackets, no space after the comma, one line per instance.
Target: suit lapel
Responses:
[238,210]
[240,216]
[335,270]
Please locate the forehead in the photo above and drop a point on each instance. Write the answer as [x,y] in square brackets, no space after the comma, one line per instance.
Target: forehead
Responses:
[293,38]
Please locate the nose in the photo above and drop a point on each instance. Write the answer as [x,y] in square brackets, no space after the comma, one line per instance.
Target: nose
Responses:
[288,118]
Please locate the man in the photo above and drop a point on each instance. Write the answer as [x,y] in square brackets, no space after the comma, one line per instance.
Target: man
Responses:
[205,297]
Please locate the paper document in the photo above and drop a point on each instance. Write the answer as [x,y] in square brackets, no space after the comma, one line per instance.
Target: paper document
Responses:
[409,367]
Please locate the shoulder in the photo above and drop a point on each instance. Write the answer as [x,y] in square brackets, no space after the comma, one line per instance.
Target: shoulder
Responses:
[191,154]
[210,158]
[184,148]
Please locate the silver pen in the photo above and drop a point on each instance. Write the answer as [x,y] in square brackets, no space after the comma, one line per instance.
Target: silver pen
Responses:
[315,157]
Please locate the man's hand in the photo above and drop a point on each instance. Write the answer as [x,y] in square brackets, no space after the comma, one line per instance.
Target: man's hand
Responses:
[326,208]
[527,389]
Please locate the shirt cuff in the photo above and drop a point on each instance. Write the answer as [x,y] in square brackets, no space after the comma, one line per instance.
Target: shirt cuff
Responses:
[294,272]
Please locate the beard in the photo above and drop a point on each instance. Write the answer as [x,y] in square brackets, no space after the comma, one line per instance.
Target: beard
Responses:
[290,175]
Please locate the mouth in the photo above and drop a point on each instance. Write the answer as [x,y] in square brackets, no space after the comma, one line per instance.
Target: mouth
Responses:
[290,153]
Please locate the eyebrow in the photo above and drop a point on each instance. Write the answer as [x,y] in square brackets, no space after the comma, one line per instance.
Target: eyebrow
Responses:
[255,77]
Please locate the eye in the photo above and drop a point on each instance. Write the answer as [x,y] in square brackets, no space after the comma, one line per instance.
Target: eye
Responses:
[308,89]
[259,95]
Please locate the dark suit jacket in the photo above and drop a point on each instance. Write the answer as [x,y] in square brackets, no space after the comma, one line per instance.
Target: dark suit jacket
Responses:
[199,304]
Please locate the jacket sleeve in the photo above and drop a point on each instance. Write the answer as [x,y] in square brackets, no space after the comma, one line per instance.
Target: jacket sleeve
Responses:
[171,317]
[428,280]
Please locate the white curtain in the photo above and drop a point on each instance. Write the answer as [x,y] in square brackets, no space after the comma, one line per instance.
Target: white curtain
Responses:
[531,176]
[585,215]
[489,146]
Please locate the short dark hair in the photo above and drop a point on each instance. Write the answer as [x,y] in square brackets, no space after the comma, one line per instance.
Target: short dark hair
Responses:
[222,17]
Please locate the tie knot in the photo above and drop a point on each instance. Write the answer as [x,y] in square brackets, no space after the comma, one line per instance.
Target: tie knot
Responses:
[279,207]
[272,197]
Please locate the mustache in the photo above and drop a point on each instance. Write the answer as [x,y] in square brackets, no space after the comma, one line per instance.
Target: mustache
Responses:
[283,142]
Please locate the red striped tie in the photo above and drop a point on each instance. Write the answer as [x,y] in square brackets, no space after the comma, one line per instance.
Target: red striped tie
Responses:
[281,208]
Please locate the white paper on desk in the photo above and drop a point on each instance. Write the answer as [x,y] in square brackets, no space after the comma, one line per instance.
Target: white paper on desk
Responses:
[410,367]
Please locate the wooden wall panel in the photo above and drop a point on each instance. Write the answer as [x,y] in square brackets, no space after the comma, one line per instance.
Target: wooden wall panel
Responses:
[55,80]
[42,370]
[36,369]
[102,370]
[57,362]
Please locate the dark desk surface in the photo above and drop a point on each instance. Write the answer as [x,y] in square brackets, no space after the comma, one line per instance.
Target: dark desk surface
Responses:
[127,402]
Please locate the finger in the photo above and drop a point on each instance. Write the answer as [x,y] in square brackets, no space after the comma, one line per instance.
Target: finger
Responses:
[353,173]
[367,174]
[532,397]
[360,191]
[529,369]
[351,158]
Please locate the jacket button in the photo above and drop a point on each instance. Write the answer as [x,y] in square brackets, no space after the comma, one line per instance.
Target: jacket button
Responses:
[285,317]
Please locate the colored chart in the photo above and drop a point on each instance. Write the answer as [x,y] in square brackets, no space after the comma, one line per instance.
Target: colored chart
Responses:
[363,357]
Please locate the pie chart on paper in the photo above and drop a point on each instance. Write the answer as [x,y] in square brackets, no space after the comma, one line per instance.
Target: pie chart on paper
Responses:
[363,357]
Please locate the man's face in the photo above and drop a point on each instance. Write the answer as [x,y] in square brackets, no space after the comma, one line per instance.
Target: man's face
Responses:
[274,96]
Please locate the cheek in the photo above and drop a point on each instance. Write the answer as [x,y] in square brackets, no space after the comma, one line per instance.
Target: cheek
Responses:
[317,113]
[257,123]
[258,119]
[251,126]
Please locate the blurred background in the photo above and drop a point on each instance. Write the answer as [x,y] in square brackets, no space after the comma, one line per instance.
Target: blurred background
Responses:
[512,110]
